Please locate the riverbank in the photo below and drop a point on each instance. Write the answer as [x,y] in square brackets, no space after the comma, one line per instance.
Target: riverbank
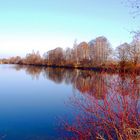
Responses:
[112,68]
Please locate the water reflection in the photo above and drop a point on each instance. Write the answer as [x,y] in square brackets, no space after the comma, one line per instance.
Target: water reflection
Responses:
[97,84]
[31,70]
[86,82]
[109,104]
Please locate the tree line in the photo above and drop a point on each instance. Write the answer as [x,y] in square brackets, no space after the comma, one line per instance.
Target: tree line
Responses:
[96,53]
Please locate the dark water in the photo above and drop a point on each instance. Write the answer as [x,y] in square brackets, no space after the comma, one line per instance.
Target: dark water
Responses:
[35,101]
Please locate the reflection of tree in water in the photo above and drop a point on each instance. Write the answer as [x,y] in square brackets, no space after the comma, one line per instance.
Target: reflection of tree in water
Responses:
[85,81]
[19,67]
[34,71]
[55,74]
[89,82]
[125,84]
[92,83]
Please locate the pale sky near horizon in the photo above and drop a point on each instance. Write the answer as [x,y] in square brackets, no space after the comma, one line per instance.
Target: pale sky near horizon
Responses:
[27,25]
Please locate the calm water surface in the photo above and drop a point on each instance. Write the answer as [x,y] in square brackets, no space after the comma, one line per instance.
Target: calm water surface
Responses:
[30,105]
[34,101]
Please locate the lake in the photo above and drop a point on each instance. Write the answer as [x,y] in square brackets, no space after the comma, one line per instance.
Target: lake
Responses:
[52,103]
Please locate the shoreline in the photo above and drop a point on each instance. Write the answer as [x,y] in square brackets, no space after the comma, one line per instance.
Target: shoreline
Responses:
[114,69]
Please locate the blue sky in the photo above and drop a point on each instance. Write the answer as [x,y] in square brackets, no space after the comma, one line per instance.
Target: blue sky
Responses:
[27,25]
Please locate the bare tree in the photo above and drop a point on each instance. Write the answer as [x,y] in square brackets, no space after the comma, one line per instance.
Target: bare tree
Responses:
[134,52]
[55,57]
[83,51]
[122,54]
[101,50]
[33,58]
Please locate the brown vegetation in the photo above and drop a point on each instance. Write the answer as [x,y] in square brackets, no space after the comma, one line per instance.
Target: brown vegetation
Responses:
[116,116]
[95,54]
